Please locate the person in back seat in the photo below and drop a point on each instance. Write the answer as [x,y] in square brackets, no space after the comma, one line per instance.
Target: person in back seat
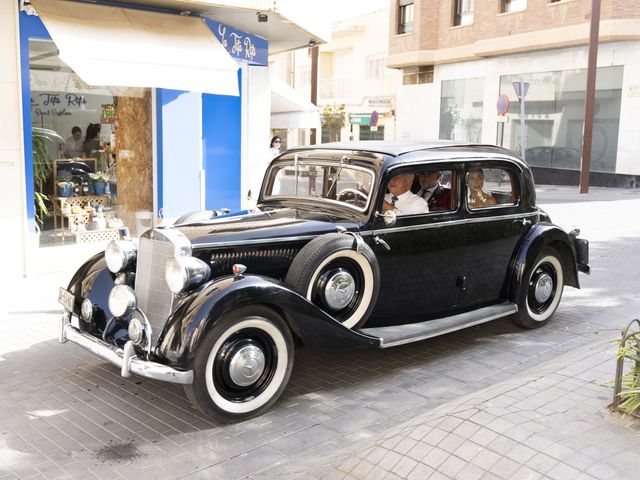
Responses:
[477,196]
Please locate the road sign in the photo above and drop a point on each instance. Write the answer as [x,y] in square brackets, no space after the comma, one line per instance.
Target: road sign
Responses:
[374,118]
[503,104]
[521,88]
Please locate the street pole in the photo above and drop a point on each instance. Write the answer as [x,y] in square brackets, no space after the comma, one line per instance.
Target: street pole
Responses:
[523,128]
[314,87]
[587,136]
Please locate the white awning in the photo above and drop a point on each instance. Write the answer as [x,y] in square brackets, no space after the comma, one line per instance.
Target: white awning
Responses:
[289,109]
[109,46]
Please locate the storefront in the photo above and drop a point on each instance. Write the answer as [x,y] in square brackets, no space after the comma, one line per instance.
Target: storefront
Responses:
[134,116]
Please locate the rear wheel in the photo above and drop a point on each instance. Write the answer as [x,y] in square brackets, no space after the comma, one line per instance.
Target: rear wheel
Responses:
[243,365]
[540,296]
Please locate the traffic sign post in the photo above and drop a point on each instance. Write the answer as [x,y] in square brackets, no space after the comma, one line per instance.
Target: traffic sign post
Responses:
[502,105]
[521,89]
[374,119]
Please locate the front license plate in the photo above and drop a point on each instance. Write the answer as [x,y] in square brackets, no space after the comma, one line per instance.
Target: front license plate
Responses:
[67,299]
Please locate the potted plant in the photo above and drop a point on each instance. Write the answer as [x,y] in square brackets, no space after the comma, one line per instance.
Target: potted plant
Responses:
[64,188]
[99,181]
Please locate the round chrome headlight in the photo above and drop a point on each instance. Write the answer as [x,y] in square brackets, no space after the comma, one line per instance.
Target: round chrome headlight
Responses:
[86,310]
[120,255]
[185,272]
[122,300]
[136,331]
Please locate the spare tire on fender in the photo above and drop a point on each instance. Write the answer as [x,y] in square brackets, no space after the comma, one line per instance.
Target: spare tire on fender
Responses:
[330,272]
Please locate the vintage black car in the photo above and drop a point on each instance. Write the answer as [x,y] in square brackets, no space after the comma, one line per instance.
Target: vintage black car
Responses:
[218,302]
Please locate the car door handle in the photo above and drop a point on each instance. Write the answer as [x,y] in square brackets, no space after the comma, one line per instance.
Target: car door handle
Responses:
[524,221]
[379,241]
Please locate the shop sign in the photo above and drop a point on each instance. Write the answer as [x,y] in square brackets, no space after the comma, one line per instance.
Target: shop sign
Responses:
[360,118]
[242,46]
[380,103]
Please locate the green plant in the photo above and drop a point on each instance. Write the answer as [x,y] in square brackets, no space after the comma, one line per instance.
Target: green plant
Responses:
[99,177]
[41,170]
[333,119]
[629,396]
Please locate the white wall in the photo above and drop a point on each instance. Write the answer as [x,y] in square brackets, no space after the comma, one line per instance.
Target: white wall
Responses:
[12,180]
[418,106]
[256,111]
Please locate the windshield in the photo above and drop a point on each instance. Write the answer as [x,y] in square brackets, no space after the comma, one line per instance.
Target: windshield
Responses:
[334,182]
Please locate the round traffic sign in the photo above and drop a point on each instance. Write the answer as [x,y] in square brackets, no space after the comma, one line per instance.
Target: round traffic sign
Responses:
[503,104]
[374,118]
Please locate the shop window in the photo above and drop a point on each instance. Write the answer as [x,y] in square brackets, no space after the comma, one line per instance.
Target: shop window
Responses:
[92,161]
[462,12]
[554,118]
[405,16]
[371,133]
[513,5]
[417,75]
[461,108]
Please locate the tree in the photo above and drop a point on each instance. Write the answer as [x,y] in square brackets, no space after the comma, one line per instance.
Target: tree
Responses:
[333,119]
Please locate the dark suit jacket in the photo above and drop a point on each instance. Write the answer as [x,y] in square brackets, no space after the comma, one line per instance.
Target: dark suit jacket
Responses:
[440,199]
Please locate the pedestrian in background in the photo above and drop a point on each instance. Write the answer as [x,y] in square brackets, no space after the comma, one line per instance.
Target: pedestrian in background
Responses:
[73,145]
[276,142]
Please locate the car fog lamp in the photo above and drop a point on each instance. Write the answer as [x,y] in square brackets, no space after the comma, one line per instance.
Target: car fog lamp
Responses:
[136,331]
[185,272]
[122,300]
[120,255]
[86,310]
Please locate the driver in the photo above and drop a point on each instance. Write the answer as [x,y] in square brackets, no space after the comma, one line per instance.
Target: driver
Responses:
[400,198]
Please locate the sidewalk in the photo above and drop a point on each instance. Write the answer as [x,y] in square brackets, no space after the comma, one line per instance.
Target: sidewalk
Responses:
[550,422]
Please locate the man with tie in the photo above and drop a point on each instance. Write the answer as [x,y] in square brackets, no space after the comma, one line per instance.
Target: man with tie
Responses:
[401,200]
[437,196]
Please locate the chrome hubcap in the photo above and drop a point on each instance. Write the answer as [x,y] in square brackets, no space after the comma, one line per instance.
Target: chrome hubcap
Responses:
[340,289]
[246,365]
[543,288]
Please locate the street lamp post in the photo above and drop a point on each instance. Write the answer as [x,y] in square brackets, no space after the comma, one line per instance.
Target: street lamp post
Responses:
[521,87]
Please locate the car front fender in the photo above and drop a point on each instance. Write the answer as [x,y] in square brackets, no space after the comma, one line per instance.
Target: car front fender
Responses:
[94,281]
[196,314]
[541,235]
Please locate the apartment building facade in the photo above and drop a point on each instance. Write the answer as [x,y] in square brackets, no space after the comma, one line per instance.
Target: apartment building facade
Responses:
[351,73]
[459,56]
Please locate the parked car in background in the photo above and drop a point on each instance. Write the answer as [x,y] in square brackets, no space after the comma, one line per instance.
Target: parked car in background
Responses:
[218,303]
[556,157]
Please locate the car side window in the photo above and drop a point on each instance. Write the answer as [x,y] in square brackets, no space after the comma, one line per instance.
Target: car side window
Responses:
[488,187]
[435,186]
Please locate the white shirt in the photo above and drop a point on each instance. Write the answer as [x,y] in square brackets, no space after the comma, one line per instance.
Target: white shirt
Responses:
[408,203]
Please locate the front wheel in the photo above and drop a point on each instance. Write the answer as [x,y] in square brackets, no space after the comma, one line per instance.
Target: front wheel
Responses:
[540,296]
[243,365]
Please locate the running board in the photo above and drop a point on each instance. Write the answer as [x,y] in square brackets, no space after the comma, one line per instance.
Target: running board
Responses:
[413,332]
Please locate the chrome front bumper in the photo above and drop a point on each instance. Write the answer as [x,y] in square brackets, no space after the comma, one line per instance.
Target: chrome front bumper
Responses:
[125,358]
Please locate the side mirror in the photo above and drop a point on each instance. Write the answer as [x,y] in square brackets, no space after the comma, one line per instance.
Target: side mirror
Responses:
[389,217]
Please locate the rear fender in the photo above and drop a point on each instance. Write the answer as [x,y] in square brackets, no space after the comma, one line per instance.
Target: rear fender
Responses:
[198,313]
[540,236]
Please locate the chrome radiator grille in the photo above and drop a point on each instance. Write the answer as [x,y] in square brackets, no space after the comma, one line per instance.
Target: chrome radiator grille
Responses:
[154,297]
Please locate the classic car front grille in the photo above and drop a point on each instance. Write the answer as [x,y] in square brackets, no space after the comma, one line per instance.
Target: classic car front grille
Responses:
[154,297]
[272,262]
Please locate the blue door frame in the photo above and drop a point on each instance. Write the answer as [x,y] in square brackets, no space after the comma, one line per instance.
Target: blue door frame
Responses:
[30,27]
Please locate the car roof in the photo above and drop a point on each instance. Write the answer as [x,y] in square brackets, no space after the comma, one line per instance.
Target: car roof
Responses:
[395,148]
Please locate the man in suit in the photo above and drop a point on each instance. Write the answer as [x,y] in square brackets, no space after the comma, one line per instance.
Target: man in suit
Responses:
[438,197]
